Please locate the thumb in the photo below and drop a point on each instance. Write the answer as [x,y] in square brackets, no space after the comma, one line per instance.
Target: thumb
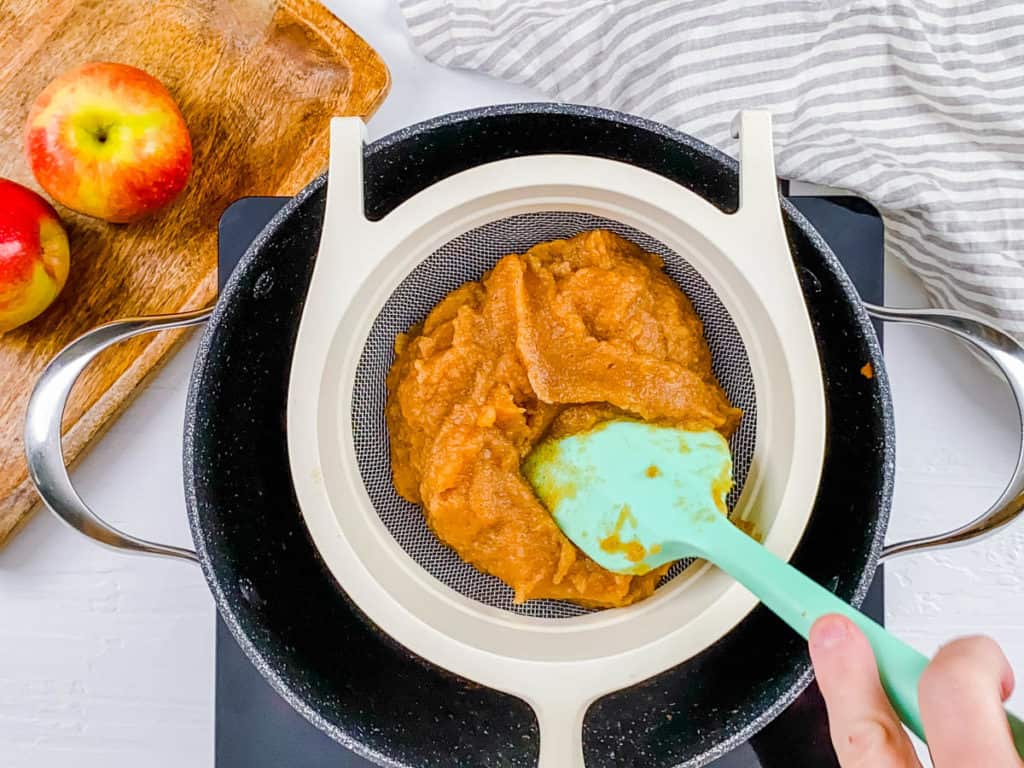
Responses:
[865,730]
[962,692]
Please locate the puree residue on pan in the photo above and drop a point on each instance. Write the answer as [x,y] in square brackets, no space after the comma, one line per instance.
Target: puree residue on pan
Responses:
[551,342]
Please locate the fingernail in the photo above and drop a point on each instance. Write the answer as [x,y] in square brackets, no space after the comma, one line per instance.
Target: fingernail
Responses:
[1006,684]
[829,632]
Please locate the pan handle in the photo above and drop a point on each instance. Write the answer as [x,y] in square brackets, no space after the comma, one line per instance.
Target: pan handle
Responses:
[1008,356]
[49,397]
[43,430]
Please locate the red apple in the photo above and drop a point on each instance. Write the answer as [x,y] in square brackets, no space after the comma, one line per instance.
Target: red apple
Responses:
[108,140]
[33,255]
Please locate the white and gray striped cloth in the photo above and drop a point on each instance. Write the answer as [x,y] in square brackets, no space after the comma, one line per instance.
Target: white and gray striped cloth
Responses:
[915,105]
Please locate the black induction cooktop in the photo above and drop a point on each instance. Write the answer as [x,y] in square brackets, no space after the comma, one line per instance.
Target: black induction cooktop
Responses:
[256,728]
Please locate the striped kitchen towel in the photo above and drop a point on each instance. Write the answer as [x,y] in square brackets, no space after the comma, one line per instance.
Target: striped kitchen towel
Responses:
[915,105]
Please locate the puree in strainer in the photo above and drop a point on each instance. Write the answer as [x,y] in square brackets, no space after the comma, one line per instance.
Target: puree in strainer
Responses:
[551,342]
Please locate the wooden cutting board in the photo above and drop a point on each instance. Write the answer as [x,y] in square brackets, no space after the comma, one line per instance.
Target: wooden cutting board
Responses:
[257,82]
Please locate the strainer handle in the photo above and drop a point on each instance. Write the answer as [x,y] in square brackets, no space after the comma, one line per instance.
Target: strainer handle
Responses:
[46,406]
[560,722]
[1007,354]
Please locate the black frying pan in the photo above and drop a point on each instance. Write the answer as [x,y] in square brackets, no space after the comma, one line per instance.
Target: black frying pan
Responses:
[292,619]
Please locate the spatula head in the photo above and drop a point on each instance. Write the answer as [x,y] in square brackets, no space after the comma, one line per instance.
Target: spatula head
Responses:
[634,496]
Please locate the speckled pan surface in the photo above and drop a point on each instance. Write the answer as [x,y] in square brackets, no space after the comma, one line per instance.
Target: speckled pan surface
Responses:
[318,652]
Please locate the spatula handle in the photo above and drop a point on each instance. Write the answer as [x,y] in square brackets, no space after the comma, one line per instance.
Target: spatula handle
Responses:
[800,601]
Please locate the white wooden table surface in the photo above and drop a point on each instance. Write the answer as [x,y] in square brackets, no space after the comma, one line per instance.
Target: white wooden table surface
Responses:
[106,660]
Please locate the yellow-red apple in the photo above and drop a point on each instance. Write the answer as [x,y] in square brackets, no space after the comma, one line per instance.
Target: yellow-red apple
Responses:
[108,140]
[33,255]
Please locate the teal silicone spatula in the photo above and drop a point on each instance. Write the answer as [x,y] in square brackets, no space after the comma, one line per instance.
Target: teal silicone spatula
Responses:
[635,496]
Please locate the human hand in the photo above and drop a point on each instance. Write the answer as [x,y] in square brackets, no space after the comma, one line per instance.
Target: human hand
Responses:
[961,694]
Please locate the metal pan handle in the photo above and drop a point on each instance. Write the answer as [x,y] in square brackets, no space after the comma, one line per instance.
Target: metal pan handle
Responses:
[49,397]
[43,434]
[1008,356]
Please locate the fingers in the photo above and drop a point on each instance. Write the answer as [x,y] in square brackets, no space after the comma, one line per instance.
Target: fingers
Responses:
[961,693]
[865,730]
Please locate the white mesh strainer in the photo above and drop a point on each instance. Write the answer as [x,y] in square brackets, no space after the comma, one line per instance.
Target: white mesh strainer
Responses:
[375,279]
[466,258]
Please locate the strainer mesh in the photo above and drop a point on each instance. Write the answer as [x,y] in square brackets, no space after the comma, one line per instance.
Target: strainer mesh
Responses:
[466,258]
